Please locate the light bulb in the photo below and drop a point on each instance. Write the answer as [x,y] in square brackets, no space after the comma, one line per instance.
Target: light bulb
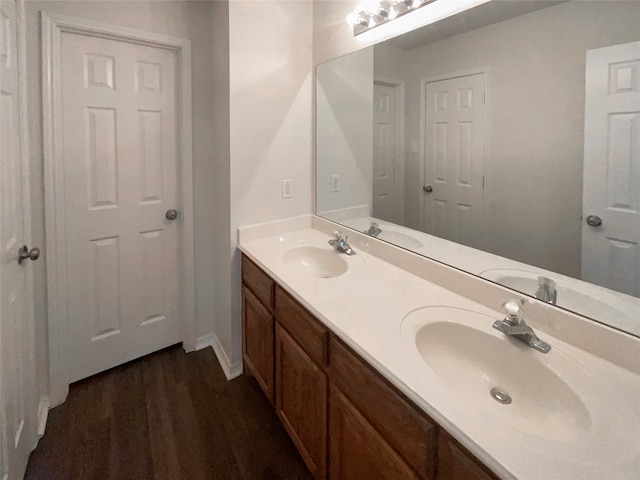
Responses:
[352,18]
[370,6]
[358,18]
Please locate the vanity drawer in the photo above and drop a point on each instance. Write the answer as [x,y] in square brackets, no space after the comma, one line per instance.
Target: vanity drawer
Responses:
[258,282]
[312,336]
[402,425]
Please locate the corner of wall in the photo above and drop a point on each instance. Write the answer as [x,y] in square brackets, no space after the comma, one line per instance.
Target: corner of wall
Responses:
[221,186]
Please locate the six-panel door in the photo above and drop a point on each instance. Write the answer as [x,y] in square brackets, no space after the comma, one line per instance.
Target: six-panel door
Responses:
[120,178]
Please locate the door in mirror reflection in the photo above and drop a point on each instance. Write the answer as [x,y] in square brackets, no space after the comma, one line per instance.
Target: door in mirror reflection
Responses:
[454,151]
[384,151]
[610,250]
[388,155]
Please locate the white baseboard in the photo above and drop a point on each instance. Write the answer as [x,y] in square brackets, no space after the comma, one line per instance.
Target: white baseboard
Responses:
[43,414]
[205,341]
[230,370]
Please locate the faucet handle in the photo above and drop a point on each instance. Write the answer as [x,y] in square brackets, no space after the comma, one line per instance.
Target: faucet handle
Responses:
[514,311]
[374,225]
[337,234]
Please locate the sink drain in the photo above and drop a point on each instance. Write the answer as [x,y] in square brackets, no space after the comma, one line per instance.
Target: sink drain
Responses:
[500,395]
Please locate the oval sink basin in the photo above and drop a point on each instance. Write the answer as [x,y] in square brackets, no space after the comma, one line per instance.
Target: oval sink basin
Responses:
[470,360]
[316,262]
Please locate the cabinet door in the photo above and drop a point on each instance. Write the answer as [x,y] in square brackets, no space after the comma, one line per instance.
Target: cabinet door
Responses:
[407,431]
[356,450]
[454,463]
[257,345]
[301,401]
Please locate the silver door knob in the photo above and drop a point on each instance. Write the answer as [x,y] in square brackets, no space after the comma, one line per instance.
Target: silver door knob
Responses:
[171,214]
[25,254]
[427,188]
[594,221]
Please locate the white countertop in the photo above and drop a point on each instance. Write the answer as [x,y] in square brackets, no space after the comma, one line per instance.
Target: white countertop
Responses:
[366,306]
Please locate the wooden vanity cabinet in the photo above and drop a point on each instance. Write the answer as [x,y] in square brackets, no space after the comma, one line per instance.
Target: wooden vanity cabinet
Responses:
[258,326]
[347,421]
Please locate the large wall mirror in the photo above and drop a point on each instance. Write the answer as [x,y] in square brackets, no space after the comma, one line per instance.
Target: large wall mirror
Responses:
[504,142]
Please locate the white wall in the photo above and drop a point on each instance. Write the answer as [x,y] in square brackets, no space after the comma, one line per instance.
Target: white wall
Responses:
[344,126]
[270,74]
[190,20]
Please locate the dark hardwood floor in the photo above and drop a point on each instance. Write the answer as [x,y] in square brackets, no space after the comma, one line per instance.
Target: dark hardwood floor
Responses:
[170,415]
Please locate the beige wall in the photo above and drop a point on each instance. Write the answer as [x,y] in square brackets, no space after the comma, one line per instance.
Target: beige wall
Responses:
[190,20]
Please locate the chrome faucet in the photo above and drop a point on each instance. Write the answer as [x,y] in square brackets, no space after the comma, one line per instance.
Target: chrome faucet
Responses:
[340,243]
[547,290]
[374,230]
[514,325]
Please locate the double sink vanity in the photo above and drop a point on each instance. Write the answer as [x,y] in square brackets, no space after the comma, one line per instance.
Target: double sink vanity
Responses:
[482,319]
[385,364]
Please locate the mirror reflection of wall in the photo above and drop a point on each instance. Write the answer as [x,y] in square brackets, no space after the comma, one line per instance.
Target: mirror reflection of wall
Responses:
[344,104]
[489,150]
[535,132]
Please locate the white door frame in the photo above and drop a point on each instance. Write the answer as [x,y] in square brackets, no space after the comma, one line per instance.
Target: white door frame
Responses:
[53,26]
[423,145]
[399,159]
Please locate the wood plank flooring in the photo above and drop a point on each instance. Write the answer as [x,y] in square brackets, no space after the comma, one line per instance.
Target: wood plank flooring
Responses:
[170,415]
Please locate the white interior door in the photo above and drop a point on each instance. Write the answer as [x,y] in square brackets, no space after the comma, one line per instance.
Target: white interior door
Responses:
[18,414]
[384,152]
[120,177]
[611,189]
[454,155]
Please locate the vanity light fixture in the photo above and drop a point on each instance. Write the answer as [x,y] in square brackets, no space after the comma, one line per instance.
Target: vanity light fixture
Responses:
[372,13]
[393,15]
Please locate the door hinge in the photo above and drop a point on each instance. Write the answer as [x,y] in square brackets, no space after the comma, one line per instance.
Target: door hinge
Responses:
[483,181]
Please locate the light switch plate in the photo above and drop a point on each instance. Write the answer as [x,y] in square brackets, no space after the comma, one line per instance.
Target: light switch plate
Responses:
[335,183]
[286,188]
